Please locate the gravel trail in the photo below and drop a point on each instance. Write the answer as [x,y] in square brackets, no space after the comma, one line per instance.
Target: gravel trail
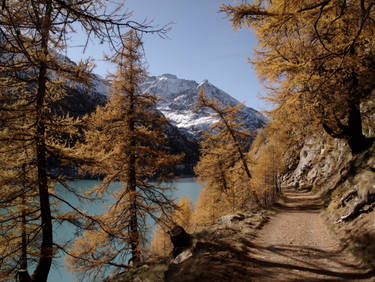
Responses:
[295,245]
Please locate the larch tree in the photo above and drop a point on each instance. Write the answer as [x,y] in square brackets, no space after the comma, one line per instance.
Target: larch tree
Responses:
[207,208]
[34,79]
[19,215]
[127,143]
[223,147]
[316,56]
[161,245]
[228,126]
[269,161]
[218,164]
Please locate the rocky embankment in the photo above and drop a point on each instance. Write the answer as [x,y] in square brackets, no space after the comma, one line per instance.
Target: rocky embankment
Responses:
[311,234]
[218,252]
[328,167]
[289,242]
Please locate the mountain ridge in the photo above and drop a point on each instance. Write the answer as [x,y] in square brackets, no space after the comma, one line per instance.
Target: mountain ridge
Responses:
[179,96]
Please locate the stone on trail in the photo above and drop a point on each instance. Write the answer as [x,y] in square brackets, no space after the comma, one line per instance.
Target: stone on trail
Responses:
[183,256]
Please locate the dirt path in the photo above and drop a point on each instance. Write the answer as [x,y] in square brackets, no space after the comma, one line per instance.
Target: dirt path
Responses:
[295,245]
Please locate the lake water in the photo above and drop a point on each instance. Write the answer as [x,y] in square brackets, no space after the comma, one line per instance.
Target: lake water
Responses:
[185,187]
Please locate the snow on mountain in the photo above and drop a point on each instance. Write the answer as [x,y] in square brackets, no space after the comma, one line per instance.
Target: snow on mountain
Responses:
[179,96]
[98,85]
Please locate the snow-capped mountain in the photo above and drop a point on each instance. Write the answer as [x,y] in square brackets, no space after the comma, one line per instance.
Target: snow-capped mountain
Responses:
[179,96]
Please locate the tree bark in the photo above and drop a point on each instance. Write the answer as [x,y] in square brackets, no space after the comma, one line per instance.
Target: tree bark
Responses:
[132,177]
[352,132]
[132,188]
[23,274]
[42,269]
[356,140]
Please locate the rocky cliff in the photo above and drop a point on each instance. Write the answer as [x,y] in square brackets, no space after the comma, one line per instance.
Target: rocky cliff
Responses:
[327,166]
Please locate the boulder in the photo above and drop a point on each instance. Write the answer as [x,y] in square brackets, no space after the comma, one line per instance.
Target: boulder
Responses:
[227,220]
[181,240]
[182,256]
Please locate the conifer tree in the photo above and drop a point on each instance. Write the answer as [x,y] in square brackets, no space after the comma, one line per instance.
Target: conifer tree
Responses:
[34,80]
[161,244]
[223,147]
[268,154]
[316,59]
[228,126]
[207,208]
[125,139]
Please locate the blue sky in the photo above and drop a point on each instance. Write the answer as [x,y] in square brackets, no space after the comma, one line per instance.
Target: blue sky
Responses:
[201,45]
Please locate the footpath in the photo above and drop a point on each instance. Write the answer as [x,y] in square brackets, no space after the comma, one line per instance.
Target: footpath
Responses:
[295,245]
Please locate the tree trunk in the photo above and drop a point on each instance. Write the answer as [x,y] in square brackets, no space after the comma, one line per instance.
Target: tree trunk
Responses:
[132,177]
[356,140]
[134,234]
[23,274]
[352,132]
[42,269]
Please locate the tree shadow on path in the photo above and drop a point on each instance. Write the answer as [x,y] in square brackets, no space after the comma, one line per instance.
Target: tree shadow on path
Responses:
[289,261]
[230,259]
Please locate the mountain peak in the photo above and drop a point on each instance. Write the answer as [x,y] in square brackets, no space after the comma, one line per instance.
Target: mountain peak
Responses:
[179,96]
[168,75]
[204,82]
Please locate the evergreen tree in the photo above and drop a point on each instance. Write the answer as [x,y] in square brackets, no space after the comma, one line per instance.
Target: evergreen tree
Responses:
[161,244]
[223,148]
[228,126]
[317,60]
[207,208]
[127,143]
[34,80]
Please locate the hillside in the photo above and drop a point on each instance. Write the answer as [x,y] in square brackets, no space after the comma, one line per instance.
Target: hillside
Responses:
[300,237]
[289,242]
[328,167]
[179,97]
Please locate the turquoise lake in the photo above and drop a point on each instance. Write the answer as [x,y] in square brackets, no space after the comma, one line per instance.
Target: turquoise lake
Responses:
[184,187]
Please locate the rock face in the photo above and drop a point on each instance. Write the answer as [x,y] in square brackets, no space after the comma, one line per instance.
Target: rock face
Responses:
[319,159]
[346,182]
[324,158]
